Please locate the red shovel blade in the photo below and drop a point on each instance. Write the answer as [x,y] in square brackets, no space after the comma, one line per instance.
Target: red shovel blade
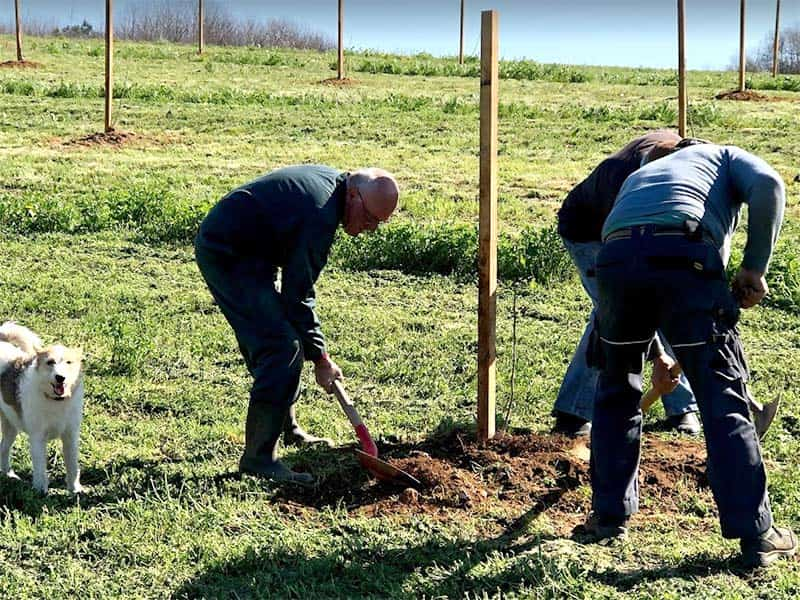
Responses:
[386,472]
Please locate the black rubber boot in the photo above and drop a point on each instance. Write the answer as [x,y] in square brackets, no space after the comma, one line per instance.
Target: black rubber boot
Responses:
[294,435]
[263,430]
[571,425]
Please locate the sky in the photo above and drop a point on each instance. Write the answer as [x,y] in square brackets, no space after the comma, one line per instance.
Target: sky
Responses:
[611,32]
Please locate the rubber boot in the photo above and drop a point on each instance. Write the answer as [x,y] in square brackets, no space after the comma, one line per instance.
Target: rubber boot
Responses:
[294,435]
[263,429]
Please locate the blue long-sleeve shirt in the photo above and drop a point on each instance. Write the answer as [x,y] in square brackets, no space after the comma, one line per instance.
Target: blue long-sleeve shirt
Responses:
[707,183]
[287,218]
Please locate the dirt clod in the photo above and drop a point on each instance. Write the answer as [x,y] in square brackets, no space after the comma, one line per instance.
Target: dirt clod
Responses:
[409,496]
[338,82]
[108,138]
[746,95]
[20,64]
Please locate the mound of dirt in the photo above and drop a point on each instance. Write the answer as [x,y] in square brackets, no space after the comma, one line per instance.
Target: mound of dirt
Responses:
[336,81]
[531,471]
[109,138]
[20,64]
[747,95]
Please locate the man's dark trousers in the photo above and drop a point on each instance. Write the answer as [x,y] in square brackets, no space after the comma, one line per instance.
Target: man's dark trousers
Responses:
[662,279]
[244,289]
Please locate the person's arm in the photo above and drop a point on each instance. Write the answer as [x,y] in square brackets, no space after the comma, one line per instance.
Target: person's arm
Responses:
[762,189]
[298,295]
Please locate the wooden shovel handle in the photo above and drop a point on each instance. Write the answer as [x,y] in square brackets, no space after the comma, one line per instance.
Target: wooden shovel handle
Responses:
[650,398]
[367,445]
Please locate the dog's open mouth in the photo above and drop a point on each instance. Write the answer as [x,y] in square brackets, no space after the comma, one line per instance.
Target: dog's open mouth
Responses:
[58,390]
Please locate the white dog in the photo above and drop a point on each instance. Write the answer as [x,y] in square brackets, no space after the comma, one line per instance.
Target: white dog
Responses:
[42,395]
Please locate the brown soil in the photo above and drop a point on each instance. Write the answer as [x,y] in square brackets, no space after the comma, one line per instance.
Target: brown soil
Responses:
[336,81]
[20,64]
[111,138]
[513,471]
[747,95]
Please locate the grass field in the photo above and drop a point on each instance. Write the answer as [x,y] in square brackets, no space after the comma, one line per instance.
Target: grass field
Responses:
[97,253]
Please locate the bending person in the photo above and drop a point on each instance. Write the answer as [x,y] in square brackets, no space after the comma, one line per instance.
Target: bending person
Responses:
[285,220]
[579,223]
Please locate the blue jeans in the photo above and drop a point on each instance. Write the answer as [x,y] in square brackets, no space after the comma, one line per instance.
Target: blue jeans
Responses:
[651,281]
[579,388]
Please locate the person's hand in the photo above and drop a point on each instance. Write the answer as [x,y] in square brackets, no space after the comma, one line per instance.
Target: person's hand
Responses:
[666,374]
[325,372]
[749,287]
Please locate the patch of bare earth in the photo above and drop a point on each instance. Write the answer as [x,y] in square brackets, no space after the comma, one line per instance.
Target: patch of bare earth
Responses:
[108,138]
[20,64]
[746,96]
[521,471]
[335,81]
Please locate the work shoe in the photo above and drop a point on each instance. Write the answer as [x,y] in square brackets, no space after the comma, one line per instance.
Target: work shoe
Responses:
[571,425]
[774,543]
[601,527]
[687,423]
[274,471]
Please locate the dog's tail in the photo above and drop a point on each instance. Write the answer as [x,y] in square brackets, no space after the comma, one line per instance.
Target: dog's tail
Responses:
[21,337]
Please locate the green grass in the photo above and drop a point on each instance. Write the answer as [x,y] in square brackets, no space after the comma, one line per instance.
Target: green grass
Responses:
[96,253]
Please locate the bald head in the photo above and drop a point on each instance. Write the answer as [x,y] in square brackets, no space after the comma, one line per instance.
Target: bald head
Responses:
[372,197]
[659,150]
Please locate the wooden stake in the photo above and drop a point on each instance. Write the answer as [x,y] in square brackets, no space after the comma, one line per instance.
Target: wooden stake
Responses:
[341,40]
[201,26]
[742,66]
[682,98]
[19,31]
[777,38]
[461,43]
[109,64]
[487,255]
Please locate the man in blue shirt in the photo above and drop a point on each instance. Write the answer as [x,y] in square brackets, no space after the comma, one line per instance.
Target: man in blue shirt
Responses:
[662,266]
[284,220]
[580,221]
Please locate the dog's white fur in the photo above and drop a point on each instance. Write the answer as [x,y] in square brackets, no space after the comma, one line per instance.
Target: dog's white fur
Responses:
[41,393]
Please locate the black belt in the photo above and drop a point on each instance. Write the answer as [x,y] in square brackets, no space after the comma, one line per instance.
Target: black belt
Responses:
[690,230]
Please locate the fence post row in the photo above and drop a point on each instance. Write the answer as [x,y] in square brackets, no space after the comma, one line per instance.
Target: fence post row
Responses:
[487,254]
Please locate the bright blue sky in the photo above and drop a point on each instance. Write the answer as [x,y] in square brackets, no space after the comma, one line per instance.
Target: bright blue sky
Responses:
[610,32]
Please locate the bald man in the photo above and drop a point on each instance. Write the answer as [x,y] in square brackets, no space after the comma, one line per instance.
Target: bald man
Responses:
[284,220]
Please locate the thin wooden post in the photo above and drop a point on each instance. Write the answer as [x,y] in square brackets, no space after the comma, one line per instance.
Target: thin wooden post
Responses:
[19,31]
[742,66]
[201,26]
[109,64]
[461,42]
[777,38]
[487,255]
[682,99]
[341,40]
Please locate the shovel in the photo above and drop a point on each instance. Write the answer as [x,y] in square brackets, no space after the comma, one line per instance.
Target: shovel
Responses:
[763,414]
[368,455]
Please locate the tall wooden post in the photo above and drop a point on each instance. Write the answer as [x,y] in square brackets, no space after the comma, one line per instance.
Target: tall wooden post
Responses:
[742,65]
[19,31]
[487,252]
[777,38]
[461,42]
[109,63]
[341,40]
[201,26]
[682,103]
